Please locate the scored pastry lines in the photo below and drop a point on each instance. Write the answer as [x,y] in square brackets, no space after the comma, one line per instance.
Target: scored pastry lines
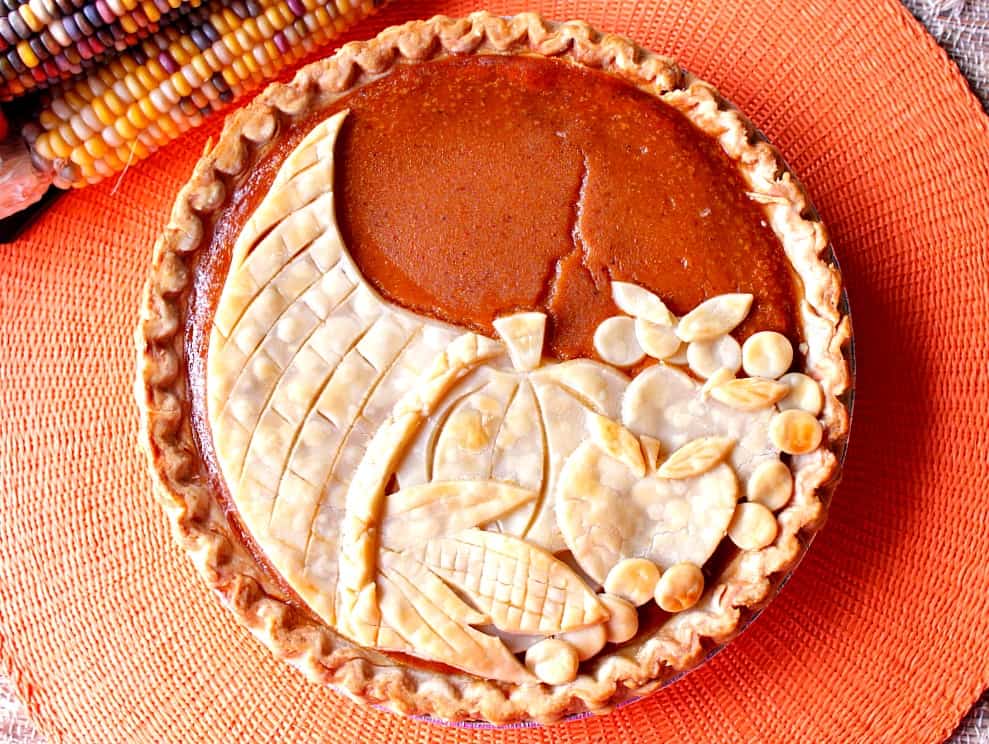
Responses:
[520,455]
[287,259]
[346,423]
[329,507]
[520,587]
[565,423]
[414,515]
[418,602]
[323,248]
[417,465]
[464,446]
[301,179]
[545,463]
[245,330]
[356,590]
[278,424]
[414,482]
[232,356]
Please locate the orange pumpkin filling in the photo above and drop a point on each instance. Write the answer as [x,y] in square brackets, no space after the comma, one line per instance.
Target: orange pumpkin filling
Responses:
[469,188]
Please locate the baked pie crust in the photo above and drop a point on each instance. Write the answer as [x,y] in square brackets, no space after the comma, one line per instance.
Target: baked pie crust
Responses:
[416,546]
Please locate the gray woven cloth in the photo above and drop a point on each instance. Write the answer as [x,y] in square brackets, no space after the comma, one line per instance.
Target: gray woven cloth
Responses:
[974,729]
[962,28]
[15,726]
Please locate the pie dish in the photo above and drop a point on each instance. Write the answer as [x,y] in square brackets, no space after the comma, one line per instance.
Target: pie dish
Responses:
[493,369]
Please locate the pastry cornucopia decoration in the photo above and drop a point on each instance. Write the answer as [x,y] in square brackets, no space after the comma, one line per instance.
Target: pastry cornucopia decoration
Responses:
[431,491]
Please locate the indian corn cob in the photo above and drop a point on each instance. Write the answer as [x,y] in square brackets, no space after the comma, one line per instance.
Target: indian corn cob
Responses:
[127,107]
[45,41]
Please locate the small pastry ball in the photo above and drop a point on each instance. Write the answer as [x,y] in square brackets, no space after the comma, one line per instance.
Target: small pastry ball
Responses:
[795,432]
[680,587]
[766,354]
[553,661]
[804,394]
[633,579]
[753,526]
[771,484]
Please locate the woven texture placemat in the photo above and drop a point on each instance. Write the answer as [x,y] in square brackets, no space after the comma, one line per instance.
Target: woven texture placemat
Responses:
[883,633]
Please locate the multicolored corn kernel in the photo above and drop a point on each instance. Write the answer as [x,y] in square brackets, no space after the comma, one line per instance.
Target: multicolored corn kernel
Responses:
[43,42]
[128,107]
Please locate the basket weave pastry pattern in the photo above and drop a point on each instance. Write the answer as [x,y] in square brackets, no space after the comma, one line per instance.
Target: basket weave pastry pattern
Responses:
[895,158]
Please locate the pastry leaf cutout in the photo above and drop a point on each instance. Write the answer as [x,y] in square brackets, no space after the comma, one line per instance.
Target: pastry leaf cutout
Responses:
[641,303]
[435,623]
[416,514]
[749,393]
[522,588]
[618,442]
[714,317]
[696,457]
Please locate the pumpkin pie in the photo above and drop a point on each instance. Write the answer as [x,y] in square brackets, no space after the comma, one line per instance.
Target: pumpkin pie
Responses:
[493,369]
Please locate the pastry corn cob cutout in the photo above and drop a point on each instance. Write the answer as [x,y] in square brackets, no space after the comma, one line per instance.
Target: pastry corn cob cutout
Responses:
[126,107]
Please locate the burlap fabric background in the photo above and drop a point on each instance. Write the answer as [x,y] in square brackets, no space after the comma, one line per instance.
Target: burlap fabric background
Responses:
[883,633]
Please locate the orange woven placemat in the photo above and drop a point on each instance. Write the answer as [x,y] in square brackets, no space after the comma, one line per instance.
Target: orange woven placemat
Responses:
[883,633]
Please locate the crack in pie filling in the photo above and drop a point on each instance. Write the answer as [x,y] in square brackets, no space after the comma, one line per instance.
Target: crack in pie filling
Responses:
[493,369]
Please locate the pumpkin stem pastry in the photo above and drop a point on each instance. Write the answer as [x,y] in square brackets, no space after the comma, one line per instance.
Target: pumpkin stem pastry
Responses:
[493,369]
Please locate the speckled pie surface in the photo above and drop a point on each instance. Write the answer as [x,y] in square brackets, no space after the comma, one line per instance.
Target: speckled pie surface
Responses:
[516,519]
